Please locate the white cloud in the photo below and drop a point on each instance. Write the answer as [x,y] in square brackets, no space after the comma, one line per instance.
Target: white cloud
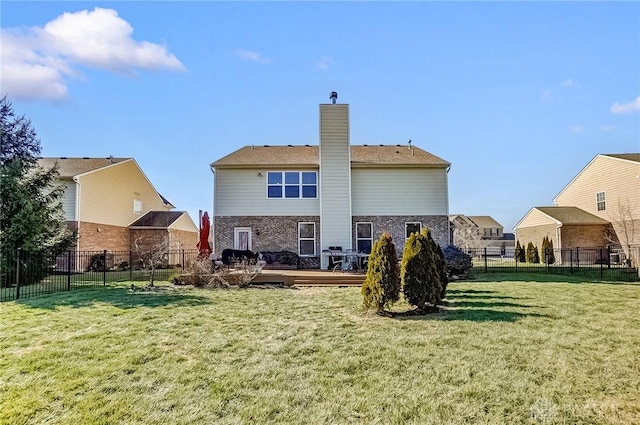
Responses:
[37,61]
[546,96]
[626,108]
[251,56]
[606,128]
[576,129]
[326,62]
[568,83]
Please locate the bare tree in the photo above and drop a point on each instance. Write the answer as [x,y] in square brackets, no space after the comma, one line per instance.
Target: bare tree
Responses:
[468,237]
[625,227]
[152,251]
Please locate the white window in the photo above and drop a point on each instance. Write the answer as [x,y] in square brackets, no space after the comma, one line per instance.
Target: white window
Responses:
[412,227]
[601,203]
[364,237]
[137,206]
[307,238]
[292,184]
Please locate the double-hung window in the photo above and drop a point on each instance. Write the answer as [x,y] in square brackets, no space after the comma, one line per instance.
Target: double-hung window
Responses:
[601,202]
[364,237]
[412,227]
[292,184]
[137,206]
[306,238]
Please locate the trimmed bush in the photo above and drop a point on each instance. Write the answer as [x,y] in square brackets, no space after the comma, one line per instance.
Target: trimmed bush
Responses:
[381,287]
[548,256]
[457,262]
[423,271]
[532,253]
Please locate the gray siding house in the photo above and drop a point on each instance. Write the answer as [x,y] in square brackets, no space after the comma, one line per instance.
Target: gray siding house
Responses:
[307,198]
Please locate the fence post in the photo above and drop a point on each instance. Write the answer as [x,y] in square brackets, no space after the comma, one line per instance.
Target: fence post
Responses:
[18,274]
[69,270]
[104,268]
[608,257]
[486,270]
[183,260]
[130,265]
[601,261]
[578,258]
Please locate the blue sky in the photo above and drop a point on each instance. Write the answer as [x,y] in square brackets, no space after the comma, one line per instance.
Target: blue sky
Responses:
[517,96]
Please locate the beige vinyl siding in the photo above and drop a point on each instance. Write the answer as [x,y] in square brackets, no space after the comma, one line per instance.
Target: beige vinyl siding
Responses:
[618,178]
[335,176]
[184,223]
[69,200]
[535,218]
[242,192]
[107,195]
[413,191]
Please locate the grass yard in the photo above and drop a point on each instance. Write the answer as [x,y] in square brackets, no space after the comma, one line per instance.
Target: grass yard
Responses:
[501,353]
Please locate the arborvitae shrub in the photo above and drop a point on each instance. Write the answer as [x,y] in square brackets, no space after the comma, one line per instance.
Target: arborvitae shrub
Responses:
[458,262]
[517,255]
[547,255]
[441,265]
[551,258]
[532,253]
[381,287]
[421,270]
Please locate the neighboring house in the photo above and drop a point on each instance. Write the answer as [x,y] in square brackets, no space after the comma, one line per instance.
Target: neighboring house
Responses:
[599,207]
[307,198]
[104,196]
[566,227]
[480,231]
[609,187]
[169,230]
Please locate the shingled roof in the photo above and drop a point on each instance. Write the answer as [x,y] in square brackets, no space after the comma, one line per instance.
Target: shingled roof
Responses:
[157,219]
[628,156]
[70,167]
[308,155]
[571,215]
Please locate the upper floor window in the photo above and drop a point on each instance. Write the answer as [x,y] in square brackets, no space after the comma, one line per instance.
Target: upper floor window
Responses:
[292,184]
[137,206]
[410,228]
[601,203]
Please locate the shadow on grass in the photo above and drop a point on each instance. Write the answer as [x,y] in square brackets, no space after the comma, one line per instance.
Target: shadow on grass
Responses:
[541,277]
[116,296]
[475,303]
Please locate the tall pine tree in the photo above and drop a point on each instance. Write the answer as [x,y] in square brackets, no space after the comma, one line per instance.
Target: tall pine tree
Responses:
[31,216]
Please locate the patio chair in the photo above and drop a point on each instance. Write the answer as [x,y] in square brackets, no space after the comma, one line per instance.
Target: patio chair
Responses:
[337,257]
[351,260]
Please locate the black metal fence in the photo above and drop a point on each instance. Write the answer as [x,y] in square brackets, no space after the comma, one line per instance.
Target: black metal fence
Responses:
[595,263]
[28,274]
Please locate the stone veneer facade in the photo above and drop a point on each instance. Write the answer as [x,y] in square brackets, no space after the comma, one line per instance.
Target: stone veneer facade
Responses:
[281,233]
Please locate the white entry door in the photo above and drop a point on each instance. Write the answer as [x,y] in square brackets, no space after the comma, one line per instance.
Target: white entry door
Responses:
[242,238]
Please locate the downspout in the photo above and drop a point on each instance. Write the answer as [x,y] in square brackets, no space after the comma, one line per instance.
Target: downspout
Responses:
[558,233]
[213,211]
[77,211]
[446,181]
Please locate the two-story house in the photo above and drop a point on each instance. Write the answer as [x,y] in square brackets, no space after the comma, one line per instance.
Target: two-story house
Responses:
[308,198]
[107,200]
[599,207]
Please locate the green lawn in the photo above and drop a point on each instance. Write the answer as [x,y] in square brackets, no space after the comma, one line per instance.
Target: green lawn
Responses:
[501,353]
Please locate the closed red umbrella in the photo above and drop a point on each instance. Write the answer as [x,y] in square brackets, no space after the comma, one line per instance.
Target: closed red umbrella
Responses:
[203,243]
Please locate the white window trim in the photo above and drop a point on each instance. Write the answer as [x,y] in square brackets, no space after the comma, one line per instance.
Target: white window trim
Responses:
[370,239]
[603,201]
[300,184]
[236,237]
[300,223]
[137,203]
[413,222]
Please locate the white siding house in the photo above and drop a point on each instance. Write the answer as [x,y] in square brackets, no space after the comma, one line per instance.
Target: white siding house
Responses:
[307,198]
